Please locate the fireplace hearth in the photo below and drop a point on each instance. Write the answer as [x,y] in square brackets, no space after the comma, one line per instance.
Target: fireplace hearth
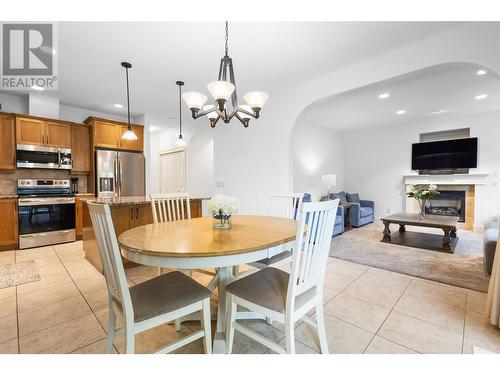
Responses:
[447,203]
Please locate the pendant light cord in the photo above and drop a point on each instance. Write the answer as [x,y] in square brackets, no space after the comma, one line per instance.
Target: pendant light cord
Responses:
[128,101]
[227,36]
[180,111]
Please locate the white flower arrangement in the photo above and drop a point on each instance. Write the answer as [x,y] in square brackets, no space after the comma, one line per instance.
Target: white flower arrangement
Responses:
[221,205]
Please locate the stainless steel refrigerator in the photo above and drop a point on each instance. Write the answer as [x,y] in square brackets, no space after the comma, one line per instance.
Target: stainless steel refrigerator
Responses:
[119,173]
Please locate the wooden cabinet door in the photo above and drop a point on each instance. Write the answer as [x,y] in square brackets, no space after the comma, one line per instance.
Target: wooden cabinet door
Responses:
[57,134]
[78,218]
[8,222]
[80,148]
[137,145]
[8,142]
[123,218]
[143,215]
[30,131]
[106,134]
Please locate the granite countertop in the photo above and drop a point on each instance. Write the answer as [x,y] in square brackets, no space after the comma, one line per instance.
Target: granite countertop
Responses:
[129,200]
[8,196]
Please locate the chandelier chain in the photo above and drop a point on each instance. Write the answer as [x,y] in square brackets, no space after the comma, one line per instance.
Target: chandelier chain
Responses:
[227,37]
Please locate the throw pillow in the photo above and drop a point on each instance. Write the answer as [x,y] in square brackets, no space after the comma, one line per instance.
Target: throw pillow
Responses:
[353,198]
[340,195]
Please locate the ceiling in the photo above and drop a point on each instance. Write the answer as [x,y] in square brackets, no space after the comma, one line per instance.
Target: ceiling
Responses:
[439,91]
[267,57]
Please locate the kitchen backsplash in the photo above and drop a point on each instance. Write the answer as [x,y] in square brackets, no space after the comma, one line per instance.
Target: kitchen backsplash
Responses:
[8,181]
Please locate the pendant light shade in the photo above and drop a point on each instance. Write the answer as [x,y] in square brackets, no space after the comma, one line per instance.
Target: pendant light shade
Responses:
[221,89]
[194,99]
[256,99]
[246,108]
[129,135]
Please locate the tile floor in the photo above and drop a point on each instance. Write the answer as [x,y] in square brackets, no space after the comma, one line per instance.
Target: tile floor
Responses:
[367,310]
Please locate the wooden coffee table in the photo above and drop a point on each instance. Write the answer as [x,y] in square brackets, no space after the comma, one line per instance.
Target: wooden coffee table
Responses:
[430,241]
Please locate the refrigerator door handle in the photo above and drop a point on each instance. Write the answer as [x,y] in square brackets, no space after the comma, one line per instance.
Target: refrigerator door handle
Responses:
[120,172]
[115,173]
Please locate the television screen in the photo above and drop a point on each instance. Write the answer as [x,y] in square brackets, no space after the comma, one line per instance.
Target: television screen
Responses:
[452,154]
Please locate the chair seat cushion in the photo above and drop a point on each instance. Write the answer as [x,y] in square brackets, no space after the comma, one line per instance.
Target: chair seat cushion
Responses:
[267,288]
[365,211]
[338,219]
[276,258]
[164,294]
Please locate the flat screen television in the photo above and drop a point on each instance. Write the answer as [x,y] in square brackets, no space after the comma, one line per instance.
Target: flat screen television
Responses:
[451,154]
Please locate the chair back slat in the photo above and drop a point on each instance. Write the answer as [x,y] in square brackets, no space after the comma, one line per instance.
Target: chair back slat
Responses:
[285,205]
[170,207]
[312,245]
[109,252]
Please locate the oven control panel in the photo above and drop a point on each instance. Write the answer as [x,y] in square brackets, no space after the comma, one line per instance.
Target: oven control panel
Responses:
[27,183]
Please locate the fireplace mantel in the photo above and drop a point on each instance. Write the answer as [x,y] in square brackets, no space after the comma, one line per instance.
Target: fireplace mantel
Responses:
[446,179]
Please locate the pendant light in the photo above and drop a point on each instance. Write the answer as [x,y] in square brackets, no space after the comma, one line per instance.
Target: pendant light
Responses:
[223,91]
[129,135]
[180,142]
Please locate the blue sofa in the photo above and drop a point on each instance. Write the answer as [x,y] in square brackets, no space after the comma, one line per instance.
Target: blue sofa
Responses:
[362,212]
[339,219]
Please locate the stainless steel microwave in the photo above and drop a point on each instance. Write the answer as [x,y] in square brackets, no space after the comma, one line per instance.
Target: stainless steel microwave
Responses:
[30,156]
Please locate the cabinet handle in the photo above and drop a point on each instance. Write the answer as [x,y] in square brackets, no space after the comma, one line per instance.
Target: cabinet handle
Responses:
[137,213]
[47,139]
[132,213]
[43,139]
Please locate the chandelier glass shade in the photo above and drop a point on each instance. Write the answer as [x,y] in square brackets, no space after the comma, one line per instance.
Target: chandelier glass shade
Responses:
[223,91]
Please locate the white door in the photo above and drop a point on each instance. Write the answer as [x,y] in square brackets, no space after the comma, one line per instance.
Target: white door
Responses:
[173,172]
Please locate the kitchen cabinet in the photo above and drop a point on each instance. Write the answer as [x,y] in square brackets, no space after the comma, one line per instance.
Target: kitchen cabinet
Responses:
[108,134]
[8,142]
[81,149]
[79,202]
[8,224]
[40,132]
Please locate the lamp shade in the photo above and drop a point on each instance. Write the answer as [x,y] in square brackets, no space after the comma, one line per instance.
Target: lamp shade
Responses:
[329,179]
[194,99]
[221,89]
[129,135]
[256,99]
[210,114]
[180,142]
[246,108]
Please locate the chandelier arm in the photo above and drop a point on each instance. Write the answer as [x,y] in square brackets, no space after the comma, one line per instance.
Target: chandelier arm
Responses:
[246,112]
[243,121]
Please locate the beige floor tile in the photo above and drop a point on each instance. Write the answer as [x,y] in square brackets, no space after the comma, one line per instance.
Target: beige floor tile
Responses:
[491,347]
[63,338]
[299,348]
[374,293]
[41,262]
[362,314]
[7,257]
[432,310]
[53,314]
[9,347]
[420,336]
[346,268]
[438,291]
[36,252]
[97,299]
[141,272]
[336,282]
[8,327]
[70,251]
[343,338]
[386,278]
[7,292]
[85,275]
[478,331]
[56,268]
[45,281]
[476,301]
[98,347]
[379,345]
[102,317]
[8,305]
[46,296]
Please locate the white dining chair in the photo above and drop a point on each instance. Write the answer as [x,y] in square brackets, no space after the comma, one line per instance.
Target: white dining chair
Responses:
[288,297]
[149,304]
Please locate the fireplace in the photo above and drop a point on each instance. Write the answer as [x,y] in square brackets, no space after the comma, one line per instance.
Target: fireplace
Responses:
[447,203]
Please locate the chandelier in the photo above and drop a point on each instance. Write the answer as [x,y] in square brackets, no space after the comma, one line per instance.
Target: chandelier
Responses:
[222,90]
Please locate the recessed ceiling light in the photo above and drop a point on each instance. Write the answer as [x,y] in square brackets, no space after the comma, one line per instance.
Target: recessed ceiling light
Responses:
[481,72]
[401,112]
[439,111]
[119,105]
[480,97]
[385,95]
[37,88]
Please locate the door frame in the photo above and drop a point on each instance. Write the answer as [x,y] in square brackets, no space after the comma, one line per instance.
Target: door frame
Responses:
[173,151]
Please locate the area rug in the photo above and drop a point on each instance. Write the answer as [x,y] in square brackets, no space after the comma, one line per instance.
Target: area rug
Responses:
[12,274]
[459,269]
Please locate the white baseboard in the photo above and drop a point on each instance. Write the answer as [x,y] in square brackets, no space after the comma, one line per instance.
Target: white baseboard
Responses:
[478,228]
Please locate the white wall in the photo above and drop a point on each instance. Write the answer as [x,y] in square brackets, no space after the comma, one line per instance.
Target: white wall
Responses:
[43,105]
[380,157]
[253,162]
[316,151]
[14,103]
[75,114]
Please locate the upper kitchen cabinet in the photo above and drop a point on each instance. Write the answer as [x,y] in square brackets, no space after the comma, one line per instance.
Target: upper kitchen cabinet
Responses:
[8,142]
[81,149]
[108,134]
[41,132]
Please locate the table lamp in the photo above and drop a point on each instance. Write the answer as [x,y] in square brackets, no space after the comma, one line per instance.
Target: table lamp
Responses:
[329,180]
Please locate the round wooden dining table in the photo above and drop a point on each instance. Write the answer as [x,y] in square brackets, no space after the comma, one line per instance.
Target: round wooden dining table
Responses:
[194,244]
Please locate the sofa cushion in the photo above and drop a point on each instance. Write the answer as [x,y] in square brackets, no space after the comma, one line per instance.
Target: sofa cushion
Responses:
[353,198]
[340,195]
[365,211]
